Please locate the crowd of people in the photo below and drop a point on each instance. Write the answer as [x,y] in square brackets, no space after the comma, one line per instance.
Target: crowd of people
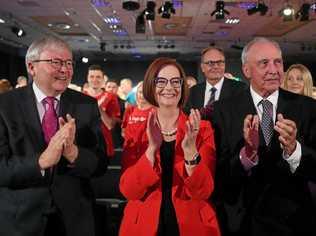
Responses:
[219,157]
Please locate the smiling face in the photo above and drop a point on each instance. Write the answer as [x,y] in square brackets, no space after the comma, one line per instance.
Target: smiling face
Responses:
[111,87]
[295,81]
[50,80]
[95,79]
[168,96]
[264,68]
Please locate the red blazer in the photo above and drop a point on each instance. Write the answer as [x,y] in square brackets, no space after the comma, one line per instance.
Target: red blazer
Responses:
[140,183]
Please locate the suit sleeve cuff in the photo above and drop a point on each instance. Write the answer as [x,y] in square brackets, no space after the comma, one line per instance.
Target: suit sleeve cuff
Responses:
[248,162]
[295,158]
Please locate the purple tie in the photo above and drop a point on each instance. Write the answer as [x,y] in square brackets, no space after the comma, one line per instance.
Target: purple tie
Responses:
[50,121]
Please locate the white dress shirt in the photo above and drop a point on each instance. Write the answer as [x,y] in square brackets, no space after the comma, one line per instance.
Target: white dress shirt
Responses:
[218,87]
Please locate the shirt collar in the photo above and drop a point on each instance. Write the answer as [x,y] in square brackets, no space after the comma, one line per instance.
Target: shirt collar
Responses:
[40,95]
[218,85]
[273,97]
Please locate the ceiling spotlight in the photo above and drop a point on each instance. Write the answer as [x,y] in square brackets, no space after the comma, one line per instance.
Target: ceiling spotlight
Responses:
[166,10]
[130,5]
[19,32]
[219,11]
[287,12]
[85,59]
[260,7]
[150,10]
[140,24]
[232,21]
[303,12]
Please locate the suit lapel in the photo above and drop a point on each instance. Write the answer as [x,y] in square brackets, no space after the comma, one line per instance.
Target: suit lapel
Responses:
[244,107]
[66,106]
[29,111]
[226,90]
[200,95]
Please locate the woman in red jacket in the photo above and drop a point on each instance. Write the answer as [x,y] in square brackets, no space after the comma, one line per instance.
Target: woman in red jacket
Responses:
[167,173]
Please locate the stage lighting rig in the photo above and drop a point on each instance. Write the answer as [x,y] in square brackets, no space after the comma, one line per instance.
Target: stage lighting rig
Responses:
[260,7]
[220,11]
[130,5]
[102,46]
[303,12]
[140,24]
[18,31]
[287,12]
[149,12]
[166,10]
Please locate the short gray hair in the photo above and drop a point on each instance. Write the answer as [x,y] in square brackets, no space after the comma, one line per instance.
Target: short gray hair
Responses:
[38,46]
[244,54]
[210,48]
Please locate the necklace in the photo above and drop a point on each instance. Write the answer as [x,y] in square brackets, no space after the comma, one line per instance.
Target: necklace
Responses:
[169,133]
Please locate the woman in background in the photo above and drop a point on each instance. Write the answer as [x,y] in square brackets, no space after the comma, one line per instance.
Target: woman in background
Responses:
[298,79]
[167,173]
[134,116]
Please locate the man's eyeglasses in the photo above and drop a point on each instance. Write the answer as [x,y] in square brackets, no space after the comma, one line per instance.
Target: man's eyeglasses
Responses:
[162,82]
[213,63]
[58,63]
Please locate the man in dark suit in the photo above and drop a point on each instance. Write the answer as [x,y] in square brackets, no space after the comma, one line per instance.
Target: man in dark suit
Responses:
[216,87]
[50,146]
[266,155]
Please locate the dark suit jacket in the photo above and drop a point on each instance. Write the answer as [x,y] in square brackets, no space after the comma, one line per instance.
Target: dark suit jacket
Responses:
[271,200]
[197,92]
[25,195]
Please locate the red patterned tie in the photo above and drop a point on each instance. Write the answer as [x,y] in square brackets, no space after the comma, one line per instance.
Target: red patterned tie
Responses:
[50,121]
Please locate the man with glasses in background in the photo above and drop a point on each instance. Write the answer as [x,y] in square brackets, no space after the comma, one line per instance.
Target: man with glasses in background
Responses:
[203,95]
[50,146]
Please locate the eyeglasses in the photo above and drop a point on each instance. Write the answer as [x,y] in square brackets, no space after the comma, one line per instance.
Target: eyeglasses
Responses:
[162,82]
[58,63]
[213,63]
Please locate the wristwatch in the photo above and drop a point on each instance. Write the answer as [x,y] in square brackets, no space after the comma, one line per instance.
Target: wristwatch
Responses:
[196,160]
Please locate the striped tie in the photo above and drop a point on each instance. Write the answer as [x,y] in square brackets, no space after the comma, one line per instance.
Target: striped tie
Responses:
[267,120]
[212,97]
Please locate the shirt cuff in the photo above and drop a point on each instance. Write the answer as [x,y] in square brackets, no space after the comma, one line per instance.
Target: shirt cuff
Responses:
[246,162]
[294,159]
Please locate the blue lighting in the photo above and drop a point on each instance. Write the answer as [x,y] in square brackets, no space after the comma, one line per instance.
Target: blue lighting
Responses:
[247,5]
[100,3]
[120,32]
[221,33]
[113,20]
[177,3]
